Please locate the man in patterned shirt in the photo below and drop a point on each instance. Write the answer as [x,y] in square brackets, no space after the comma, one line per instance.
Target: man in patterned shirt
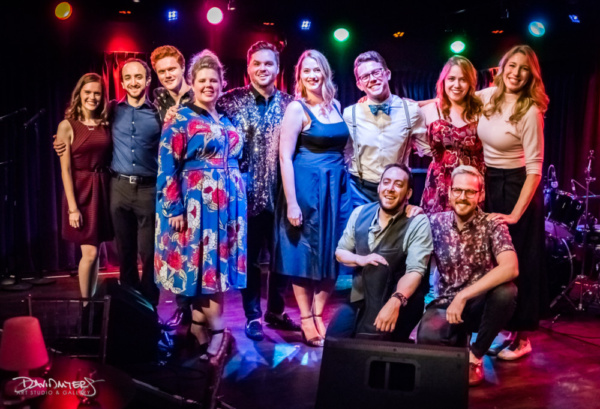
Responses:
[477,263]
[257,111]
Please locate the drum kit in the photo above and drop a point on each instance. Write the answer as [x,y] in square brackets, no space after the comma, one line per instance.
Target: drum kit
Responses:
[573,238]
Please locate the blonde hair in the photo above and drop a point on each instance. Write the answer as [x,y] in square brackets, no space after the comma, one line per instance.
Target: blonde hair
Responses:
[469,170]
[473,104]
[328,88]
[73,110]
[534,92]
[206,59]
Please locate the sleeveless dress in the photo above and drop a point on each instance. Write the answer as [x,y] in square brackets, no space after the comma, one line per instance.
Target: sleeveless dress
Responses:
[322,193]
[91,153]
[451,146]
[199,178]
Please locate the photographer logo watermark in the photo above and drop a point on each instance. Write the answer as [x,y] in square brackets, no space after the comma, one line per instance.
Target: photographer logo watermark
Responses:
[37,386]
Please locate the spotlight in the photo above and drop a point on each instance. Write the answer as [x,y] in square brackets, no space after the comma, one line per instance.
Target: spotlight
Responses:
[399,34]
[214,15]
[172,15]
[457,47]
[231,5]
[537,29]
[305,25]
[341,34]
[574,18]
[63,11]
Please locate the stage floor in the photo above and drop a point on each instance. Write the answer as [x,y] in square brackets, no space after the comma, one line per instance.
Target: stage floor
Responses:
[562,372]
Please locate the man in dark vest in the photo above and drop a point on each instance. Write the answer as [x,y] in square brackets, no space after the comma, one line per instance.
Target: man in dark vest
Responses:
[391,252]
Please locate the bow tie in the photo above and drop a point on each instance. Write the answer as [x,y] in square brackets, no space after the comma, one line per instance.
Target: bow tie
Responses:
[385,108]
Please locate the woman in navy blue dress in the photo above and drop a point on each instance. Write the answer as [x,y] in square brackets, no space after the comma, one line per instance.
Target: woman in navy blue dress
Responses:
[313,212]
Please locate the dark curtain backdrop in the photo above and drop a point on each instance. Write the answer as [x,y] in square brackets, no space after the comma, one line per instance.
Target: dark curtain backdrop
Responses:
[31,187]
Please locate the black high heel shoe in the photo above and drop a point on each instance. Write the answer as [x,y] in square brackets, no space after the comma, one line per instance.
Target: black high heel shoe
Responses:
[225,348]
[202,347]
[317,341]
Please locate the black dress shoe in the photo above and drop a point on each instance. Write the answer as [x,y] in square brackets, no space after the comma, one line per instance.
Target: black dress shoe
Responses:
[285,323]
[181,316]
[254,330]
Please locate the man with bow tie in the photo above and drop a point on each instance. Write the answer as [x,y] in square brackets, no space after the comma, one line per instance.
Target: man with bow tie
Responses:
[383,129]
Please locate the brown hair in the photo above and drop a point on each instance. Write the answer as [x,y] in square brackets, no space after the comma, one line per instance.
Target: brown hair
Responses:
[473,104]
[205,59]
[73,110]
[533,92]
[262,45]
[328,87]
[166,51]
[368,56]
[141,62]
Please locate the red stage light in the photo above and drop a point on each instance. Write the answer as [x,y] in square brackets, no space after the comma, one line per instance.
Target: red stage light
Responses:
[214,15]
[63,11]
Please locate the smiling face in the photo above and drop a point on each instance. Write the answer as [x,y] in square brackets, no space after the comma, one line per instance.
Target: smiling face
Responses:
[170,73]
[464,185]
[263,68]
[456,85]
[516,73]
[373,80]
[207,87]
[311,75]
[134,79]
[393,190]
[91,97]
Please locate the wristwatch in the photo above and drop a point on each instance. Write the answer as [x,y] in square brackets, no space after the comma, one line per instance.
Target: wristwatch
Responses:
[403,300]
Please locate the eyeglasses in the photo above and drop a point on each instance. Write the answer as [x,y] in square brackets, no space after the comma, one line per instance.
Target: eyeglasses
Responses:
[377,74]
[456,192]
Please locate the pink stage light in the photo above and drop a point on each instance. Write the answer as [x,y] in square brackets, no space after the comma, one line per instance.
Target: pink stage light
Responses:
[214,15]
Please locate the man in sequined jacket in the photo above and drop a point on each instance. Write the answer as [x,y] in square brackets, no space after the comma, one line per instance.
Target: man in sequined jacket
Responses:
[257,111]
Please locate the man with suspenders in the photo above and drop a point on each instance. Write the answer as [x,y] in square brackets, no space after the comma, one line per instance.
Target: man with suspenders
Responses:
[383,129]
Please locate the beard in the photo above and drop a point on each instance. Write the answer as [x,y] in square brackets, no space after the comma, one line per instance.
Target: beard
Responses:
[394,209]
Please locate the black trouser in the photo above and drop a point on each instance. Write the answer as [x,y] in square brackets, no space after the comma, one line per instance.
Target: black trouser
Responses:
[346,318]
[486,315]
[132,208]
[260,234]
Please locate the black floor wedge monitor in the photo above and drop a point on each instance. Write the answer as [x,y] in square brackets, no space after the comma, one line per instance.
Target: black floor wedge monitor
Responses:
[361,374]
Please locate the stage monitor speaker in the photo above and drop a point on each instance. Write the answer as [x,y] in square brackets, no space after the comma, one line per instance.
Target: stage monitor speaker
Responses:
[359,374]
[133,330]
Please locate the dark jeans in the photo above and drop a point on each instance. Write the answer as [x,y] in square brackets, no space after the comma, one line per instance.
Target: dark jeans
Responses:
[346,318]
[132,208]
[486,315]
[362,192]
[260,234]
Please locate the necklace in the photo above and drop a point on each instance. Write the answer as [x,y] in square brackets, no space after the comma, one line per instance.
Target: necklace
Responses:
[90,127]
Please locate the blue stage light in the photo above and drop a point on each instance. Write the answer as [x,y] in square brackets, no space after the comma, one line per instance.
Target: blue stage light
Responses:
[305,25]
[537,29]
[172,15]
[574,18]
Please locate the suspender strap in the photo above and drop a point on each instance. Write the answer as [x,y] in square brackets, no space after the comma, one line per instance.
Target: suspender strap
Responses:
[402,158]
[355,144]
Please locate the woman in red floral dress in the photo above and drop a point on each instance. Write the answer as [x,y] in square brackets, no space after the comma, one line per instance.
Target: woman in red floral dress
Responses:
[452,131]
[200,242]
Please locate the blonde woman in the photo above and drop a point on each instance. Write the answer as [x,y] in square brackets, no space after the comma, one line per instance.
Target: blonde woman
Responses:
[511,130]
[313,212]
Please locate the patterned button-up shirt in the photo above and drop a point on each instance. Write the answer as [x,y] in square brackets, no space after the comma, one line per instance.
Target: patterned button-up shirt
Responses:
[260,160]
[163,100]
[464,256]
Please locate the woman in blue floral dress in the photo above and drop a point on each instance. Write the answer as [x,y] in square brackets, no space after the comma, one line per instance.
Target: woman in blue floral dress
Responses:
[200,239]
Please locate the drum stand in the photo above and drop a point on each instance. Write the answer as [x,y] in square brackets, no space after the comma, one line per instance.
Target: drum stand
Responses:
[581,279]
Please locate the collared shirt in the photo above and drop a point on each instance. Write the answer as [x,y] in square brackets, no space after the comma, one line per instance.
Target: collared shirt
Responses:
[135,133]
[378,140]
[417,240]
[464,256]
[261,102]
[163,100]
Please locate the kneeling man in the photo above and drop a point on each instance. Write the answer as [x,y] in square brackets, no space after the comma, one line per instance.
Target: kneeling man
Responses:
[477,263]
[391,252]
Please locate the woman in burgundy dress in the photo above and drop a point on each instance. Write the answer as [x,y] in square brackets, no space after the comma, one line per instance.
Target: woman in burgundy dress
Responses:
[452,131]
[84,171]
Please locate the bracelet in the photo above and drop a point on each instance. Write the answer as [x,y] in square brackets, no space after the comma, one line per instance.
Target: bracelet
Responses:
[403,300]
[74,211]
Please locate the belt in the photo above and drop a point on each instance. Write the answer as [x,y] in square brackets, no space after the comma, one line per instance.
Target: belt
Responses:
[136,180]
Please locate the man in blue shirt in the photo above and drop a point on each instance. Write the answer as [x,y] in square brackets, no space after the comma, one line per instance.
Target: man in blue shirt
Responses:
[136,129]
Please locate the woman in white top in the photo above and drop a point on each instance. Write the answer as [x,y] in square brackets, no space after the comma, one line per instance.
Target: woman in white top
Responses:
[511,130]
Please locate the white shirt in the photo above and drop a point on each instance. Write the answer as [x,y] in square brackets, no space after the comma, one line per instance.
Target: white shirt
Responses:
[383,139]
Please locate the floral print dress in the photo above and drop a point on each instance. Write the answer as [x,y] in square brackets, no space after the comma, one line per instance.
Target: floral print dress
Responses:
[199,178]
[451,146]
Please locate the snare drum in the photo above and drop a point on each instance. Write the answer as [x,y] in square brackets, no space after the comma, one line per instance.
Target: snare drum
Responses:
[562,208]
